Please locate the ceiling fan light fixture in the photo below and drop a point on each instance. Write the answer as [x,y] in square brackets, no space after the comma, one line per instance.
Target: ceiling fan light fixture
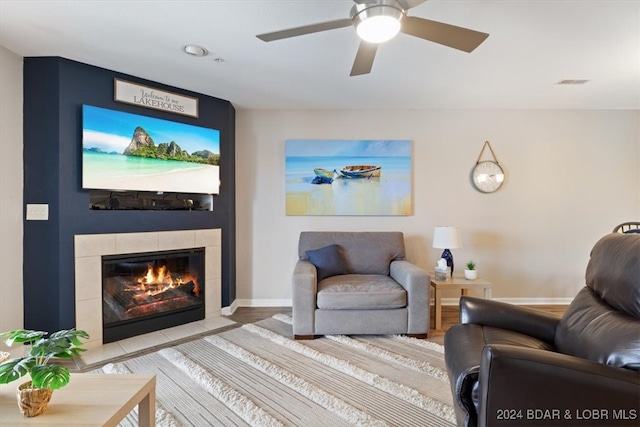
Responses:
[378,29]
[378,23]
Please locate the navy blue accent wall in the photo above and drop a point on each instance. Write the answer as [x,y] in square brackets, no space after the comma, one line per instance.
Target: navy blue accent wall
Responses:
[54,91]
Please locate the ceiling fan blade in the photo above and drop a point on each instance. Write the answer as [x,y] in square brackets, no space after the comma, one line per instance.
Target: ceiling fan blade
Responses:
[410,4]
[305,29]
[406,4]
[438,32]
[364,58]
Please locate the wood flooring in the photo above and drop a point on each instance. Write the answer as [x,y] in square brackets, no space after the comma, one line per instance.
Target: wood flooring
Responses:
[243,315]
[450,316]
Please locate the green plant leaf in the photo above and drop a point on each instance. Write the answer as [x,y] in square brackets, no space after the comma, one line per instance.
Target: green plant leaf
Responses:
[21,336]
[51,376]
[12,369]
[69,334]
[63,344]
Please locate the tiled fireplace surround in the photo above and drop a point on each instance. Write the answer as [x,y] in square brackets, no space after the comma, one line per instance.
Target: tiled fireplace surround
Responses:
[89,248]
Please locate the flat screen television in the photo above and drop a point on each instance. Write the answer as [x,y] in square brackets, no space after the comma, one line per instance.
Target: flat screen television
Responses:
[129,152]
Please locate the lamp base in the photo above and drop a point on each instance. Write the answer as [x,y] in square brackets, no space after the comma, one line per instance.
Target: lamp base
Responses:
[446,254]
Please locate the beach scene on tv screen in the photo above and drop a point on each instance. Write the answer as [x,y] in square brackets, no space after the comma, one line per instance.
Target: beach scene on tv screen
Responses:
[123,151]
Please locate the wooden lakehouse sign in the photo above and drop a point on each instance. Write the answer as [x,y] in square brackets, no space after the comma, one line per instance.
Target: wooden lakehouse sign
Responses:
[144,96]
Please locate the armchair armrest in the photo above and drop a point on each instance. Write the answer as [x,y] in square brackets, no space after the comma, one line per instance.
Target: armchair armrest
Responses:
[557,390]
[415,281]
[305,288]
[507,316]
[463,351]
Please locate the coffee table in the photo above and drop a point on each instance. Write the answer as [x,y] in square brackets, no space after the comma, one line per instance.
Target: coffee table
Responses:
[455,283]
[88,400]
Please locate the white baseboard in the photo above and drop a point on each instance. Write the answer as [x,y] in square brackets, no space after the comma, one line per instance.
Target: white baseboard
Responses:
[264,302]
[445,301]
[228,311]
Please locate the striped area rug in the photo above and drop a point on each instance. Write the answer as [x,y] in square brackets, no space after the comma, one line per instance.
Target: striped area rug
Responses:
[257,375]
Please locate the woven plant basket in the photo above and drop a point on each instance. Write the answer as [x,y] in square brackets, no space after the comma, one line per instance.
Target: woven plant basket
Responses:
[33,401]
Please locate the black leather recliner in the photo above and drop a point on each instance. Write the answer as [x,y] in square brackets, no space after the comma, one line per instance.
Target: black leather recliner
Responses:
[512,366]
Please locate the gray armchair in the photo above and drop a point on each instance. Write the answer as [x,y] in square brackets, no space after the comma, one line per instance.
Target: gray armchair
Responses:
[357,283]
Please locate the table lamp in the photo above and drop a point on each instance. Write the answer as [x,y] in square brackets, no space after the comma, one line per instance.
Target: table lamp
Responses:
[446,238]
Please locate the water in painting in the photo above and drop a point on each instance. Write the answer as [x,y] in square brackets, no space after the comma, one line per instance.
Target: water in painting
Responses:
[348,177]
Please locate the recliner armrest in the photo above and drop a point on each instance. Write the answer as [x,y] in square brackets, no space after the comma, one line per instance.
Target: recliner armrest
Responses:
[463,351]
[558,390]
[507,316]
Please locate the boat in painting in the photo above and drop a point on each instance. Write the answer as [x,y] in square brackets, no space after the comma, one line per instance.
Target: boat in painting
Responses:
[324,173]
[324,176]
[361,171]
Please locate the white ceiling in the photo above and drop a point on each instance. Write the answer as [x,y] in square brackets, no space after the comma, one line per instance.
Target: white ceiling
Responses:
[533,44]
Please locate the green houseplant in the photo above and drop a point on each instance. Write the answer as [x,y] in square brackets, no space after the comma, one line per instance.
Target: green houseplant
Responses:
[45,376]
[470,273]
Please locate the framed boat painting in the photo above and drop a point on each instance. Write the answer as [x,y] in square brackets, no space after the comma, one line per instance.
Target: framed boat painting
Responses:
[348,177]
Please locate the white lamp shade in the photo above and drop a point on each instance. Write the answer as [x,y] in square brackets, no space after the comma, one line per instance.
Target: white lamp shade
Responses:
[446,238]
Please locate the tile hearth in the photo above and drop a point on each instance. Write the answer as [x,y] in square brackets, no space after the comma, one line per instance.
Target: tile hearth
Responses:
[106,352]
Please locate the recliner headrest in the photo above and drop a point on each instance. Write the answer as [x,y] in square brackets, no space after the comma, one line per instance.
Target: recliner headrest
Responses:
[613,271]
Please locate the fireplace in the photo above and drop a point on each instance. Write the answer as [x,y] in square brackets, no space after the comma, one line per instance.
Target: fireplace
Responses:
[145,292]
[91,248]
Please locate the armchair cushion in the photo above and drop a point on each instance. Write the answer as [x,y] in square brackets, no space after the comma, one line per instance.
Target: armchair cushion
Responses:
[360,292]
[602,322]
[365,252]
[613,272]
[590,329]
[327,260]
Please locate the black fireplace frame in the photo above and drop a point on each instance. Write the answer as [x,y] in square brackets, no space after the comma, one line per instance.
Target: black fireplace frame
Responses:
[133,327]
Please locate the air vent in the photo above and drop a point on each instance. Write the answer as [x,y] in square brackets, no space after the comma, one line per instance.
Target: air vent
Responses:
[572,82]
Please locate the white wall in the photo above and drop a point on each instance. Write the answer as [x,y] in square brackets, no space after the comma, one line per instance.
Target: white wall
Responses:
[571,177]
[11,305]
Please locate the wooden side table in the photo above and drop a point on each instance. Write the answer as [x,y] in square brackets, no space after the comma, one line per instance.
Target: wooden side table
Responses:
[455,283]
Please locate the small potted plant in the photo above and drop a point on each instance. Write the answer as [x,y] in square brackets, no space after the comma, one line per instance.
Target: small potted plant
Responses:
[470,273]
[34,395]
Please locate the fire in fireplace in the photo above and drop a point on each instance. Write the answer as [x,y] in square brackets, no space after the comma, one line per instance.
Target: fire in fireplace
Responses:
[147,292]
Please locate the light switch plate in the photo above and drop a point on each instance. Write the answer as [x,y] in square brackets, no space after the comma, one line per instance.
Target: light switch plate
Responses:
[37,212]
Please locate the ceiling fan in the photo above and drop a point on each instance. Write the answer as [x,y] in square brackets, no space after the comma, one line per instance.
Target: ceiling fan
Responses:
[388,17]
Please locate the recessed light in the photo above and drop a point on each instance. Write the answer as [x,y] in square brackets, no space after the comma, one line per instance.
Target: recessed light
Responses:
[194,50]
[572,82]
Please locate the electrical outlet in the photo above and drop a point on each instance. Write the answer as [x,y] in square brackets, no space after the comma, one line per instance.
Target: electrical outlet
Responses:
[37,212]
